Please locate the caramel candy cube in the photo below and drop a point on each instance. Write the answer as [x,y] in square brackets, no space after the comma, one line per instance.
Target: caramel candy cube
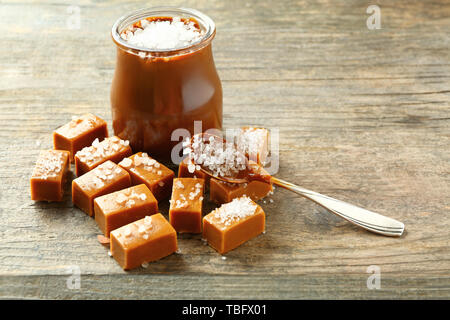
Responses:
[185,213]
[112,148]
[254,142]
[222,192]
[106,178]
[232,224]
[144,169]
[142,241]
[187,169]
[119,208]
[50,175]
[79,133]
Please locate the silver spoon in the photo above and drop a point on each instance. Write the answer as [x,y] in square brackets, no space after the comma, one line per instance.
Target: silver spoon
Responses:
[363,218]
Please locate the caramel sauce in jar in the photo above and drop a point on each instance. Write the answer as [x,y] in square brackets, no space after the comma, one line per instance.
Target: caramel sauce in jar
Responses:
[155,92]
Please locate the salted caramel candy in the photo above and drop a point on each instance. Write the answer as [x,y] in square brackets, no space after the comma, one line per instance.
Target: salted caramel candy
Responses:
[187,169]
[143,241]
[185,213]
[119,208]
[79,133]
[106,178]
[222,192]
[233,223]
[254,143]
[112,148]
[143,169]
[50,175]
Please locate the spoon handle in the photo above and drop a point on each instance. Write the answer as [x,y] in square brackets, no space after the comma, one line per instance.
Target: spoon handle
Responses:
[361,217]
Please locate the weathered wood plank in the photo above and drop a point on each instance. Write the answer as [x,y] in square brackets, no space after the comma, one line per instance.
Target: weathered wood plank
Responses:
[363,116]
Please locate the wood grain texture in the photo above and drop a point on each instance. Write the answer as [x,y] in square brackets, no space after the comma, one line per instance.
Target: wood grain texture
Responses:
[363,116]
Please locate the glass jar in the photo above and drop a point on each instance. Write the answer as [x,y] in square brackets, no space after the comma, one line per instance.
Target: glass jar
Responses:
[155,92]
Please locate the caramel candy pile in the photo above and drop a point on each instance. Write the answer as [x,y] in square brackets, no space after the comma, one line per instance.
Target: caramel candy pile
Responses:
[122,191]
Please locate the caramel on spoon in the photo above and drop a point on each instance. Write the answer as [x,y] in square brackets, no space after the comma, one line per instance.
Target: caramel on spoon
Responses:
[222,160]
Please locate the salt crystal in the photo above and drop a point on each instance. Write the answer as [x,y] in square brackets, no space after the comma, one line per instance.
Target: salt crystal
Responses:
[235,210]
[126,162]
[141,229]
[142,196]
[161,184]
[127,232]
[130,203]
[191,168]
[95,143]
[164,34]
[148,220]
[137,161]
[121,198]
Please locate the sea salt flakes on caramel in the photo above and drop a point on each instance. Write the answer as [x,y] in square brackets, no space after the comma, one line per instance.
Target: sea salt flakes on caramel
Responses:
[49,175]
[112,148]
[184,171]
[218,157]
[233,223]
[235,210]
[144,169]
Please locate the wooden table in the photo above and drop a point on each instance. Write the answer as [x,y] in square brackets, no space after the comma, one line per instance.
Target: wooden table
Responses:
[363,115]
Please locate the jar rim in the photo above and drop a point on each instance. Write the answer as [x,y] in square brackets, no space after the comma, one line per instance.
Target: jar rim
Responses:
[204,21]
